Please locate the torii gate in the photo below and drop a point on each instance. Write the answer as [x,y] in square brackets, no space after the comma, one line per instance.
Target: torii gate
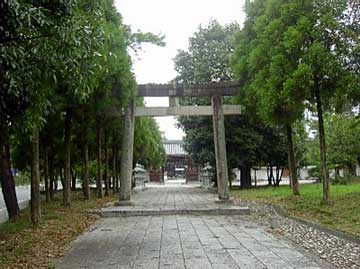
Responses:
[217,110]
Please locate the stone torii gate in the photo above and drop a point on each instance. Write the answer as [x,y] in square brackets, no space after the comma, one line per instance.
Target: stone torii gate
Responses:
[174,91]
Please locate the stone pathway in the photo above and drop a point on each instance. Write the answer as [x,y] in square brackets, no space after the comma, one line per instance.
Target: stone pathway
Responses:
[182,241]
[175,196]
[180,200]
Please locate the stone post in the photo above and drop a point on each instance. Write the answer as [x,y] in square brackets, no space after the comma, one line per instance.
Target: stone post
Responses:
[173,101]
[220,149]
[127,155]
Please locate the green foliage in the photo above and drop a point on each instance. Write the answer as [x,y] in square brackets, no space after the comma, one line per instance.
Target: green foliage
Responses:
[344,180]
[252,143]
[300,142]
[343,143]
[199,139]
[265,58]
[343,139]
[136,40]
[206,60]
[293,54]
[287,48]
[148,146]
[59,56]
[22,178]
[249,142]
[208,56]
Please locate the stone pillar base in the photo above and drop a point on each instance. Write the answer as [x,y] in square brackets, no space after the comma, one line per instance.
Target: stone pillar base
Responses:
[224,201]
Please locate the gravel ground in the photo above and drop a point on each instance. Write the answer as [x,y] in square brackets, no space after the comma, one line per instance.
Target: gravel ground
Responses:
[339,252]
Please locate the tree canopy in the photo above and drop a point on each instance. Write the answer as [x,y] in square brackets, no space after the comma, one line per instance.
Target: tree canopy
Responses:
[65,75]
[208,59]
[293,54]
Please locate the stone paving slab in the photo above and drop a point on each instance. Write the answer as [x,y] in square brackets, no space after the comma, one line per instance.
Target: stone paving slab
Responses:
[131,212]
[183,242]
[174,201]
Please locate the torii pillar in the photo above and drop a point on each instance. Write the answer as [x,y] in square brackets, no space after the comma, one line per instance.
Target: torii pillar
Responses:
[220,149]
[127,156]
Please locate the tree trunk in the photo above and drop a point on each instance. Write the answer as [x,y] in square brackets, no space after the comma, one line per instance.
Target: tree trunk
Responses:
[117,185]
[269,174]
[7,179]
[114,168]
[106,157]
[52,174]
[35,180]
[245,177]
[73,180]
[292,162]
[271,169]
[85,185]
[279,172]
[352,169]
[56,181]
[98,157]
[46,173]
[86,170]
[61,174]
[230,176]
[67,172]
[325,178]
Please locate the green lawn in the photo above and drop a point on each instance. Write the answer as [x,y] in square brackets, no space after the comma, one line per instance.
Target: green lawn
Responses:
[343,214]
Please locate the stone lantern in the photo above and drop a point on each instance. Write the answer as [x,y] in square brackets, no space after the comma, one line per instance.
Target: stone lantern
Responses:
[140,176]
[207,174]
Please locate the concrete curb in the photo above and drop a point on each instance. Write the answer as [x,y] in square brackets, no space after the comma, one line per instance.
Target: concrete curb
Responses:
[281,212]
[107,213]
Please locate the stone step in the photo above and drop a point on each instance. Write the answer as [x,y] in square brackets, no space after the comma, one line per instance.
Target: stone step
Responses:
[130,212]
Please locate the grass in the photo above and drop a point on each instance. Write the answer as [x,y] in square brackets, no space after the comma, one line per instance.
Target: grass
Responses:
[25,246]
[343,214]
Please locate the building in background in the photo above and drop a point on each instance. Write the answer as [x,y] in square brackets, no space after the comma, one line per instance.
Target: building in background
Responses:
[178,162]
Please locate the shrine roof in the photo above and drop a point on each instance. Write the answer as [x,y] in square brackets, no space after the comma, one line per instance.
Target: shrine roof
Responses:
[174,147]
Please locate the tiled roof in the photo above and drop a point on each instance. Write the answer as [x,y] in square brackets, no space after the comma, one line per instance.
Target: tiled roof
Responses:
[174,147]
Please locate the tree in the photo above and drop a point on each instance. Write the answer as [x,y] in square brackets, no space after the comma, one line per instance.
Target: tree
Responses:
[56,59]
[343,143]
[252,143]
[148,147]
[304,49]
[330,46]
[207,60]
[24,80]
[272,80]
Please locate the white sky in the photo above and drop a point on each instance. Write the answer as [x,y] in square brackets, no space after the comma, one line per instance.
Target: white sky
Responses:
[177,20]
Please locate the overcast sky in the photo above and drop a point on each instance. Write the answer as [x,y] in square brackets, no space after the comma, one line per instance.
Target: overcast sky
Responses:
[177,20]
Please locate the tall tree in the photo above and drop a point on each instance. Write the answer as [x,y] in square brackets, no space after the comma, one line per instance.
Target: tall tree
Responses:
[262,61]
[56,58]
[331,42]
[292,51]
[26,51]
[206,60]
